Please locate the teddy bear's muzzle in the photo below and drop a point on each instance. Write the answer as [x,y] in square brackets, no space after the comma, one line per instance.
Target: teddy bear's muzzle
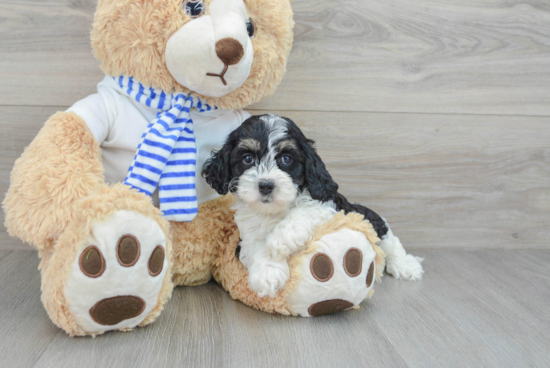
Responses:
[214,45]
[230,51]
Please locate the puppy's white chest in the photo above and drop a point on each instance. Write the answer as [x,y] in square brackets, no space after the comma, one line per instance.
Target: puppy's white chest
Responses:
[279,235]
[254,229]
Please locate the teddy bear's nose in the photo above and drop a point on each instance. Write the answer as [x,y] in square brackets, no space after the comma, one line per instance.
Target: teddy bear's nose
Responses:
[229,50]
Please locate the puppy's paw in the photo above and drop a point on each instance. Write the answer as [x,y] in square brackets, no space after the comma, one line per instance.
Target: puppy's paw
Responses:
[279,250]
[266,279]
[406,267]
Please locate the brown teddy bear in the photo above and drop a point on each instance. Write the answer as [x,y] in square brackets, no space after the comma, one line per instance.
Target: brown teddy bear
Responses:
[109,191]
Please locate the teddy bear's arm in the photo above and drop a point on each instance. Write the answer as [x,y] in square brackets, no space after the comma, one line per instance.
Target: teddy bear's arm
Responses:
[61,166]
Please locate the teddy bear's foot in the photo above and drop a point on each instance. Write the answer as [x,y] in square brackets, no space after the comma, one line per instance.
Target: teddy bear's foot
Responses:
[110,268]
[117,276]
[338,276]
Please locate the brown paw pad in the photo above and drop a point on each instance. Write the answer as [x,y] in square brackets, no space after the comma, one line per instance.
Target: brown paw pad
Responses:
[111,311]
[321,267]
[370,274]
[127,250]
[353,262]
[329,306]
[92,263]
[156,261]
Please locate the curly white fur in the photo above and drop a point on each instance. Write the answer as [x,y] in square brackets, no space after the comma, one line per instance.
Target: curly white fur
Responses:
[268,239]
[399,264]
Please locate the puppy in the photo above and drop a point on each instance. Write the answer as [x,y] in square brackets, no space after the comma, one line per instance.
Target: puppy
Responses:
[284,192]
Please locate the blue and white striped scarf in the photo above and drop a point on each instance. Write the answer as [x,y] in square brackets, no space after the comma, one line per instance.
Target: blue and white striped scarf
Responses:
[167,154]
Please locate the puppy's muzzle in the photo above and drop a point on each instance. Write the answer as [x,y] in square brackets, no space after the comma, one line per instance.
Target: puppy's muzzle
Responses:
[266,186]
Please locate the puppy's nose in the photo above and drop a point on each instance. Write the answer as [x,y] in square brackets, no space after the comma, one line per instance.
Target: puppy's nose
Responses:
[229,50]
[266,186]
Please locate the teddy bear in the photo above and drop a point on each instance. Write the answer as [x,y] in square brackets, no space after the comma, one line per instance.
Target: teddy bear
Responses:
[110,194]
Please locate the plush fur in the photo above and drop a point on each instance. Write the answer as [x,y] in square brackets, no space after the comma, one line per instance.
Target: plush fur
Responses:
[46,189]
[130,37]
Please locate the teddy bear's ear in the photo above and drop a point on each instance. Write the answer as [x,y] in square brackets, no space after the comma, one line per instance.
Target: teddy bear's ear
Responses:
[217,169]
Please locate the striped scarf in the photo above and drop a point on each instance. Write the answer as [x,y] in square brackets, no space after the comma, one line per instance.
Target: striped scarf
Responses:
[167,154]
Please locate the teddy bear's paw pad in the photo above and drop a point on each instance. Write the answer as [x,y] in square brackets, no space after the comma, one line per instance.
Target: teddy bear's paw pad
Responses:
[112,311]
[370,274]
[321,267]
[127,250]
[117,276]
[338,276]
[328,307]
[92,263]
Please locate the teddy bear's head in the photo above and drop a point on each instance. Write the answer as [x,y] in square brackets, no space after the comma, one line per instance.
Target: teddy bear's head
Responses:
[229,52]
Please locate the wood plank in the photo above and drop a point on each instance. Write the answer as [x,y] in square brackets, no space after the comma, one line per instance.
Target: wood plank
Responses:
[473,56]
[46,57]
[484,57]
[26,328]
[442,181]
[474,308]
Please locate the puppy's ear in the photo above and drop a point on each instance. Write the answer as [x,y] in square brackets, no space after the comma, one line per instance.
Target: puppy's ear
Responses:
[317,179]
[217,169]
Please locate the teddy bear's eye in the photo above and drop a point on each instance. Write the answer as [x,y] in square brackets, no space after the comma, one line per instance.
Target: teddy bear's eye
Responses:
[194,8]
[251,28]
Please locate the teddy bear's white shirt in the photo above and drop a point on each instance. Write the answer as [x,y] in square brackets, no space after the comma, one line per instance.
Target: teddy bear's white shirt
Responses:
[117,123]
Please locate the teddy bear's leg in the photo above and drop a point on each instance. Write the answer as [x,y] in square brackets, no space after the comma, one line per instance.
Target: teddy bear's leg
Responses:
[334,271]
[110,269]
[59,168]
[337,270]
[104,249]
[338,276]
[197,244]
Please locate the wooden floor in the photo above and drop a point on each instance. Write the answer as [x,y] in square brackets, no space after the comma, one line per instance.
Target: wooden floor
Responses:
[475,308]
[435,113]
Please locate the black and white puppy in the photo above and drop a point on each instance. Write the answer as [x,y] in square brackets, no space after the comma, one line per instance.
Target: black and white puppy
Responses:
[285,192]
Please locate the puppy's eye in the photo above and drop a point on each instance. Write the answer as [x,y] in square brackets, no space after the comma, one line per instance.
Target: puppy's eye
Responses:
[248,160]
[251,28]
[286,159]
[194,8]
